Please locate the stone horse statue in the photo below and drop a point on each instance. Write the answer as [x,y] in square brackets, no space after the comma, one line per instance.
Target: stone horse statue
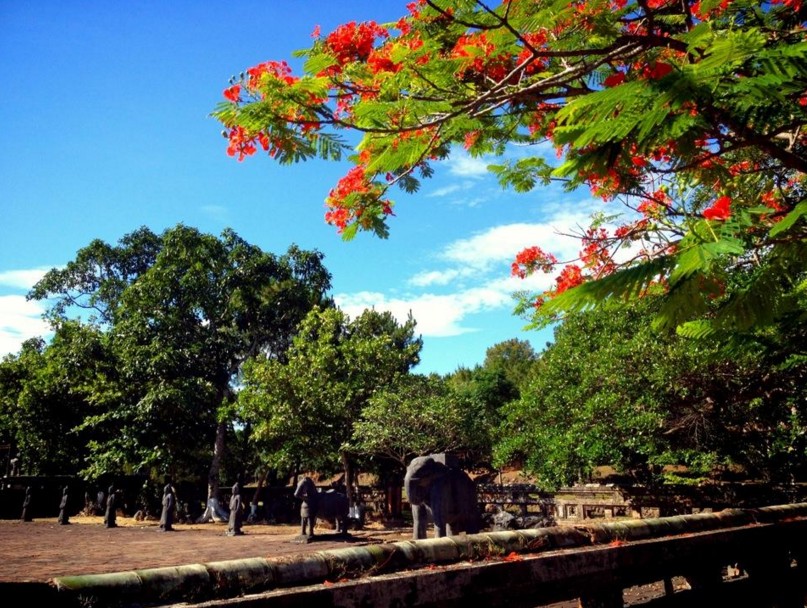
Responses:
[331,506]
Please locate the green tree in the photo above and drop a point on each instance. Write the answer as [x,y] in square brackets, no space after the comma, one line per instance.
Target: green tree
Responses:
[514,358]
[690,113]
[418,415]
[183,311]
[611,391]
[484,391]
[305,408]
[47,391]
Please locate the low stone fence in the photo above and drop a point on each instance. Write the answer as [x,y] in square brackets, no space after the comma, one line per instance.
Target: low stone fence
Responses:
[592,562]
[608,501]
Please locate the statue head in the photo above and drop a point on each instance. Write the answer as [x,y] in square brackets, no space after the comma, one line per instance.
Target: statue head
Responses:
[168,489]
[306,489]
[236,489]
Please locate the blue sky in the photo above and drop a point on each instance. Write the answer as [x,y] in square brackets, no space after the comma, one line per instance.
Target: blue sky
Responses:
[105,127]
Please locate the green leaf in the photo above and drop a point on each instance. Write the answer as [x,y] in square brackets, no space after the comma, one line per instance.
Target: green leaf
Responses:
[789,220]
[625,284]
[318,63]
[696,329]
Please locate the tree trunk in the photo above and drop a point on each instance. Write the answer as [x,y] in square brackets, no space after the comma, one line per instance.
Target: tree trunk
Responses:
[253,505]
[214,510]
[394,495]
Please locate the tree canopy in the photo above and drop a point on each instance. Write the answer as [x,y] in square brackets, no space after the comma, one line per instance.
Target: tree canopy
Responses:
[612,391]
[305,409]
[177,313]
[691,114]
[416,416]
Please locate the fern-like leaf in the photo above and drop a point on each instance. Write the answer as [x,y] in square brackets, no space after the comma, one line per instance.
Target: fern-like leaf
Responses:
[625,284]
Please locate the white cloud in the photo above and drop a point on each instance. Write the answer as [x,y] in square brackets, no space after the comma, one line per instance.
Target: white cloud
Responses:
[22,279]
[446,190]
[20,320]
[439,277]
[462,165]
[470,202]
[472,275]
[501,243]
[436,315]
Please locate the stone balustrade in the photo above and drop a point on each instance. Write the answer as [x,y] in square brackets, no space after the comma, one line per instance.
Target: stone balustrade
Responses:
[592,562]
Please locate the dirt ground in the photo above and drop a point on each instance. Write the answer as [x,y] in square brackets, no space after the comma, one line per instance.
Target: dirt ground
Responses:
[41,550]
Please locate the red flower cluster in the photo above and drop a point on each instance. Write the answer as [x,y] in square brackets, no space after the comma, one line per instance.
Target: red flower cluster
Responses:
[595,254]
[720,209]
[274,69]
[351,195]
[654,206]
[531,259]
[614,79]
[536,40]
[233,93]
[631,231]
[354,42]
[570,276]
[470,139]
[381,61]
[700,14]
[657,70]
[477,51]
[242,143]
[770,199]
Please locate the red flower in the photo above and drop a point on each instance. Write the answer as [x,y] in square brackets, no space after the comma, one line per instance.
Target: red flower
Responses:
[354,42]
[233,93]
[531,259]
[241,143]
[570,276]
[614,79]
[720,209]
[657,71]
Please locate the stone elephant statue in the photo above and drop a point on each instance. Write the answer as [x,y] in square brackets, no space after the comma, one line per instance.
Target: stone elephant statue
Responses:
[445,494]
[331,506]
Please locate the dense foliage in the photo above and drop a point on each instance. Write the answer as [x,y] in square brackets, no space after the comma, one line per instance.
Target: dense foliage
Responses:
[303,410]
[418,415]
[690,113]
[150,336]
[612,391]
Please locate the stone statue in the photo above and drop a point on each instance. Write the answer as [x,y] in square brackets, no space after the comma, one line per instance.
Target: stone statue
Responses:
[236,512]
[442,492]
[64,517]
[169,504]
[27,511]
[100,503]
[109,516]
[15,465]
[331,505]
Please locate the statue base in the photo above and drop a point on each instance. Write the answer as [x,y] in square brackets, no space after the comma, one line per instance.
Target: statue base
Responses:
[304,539]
